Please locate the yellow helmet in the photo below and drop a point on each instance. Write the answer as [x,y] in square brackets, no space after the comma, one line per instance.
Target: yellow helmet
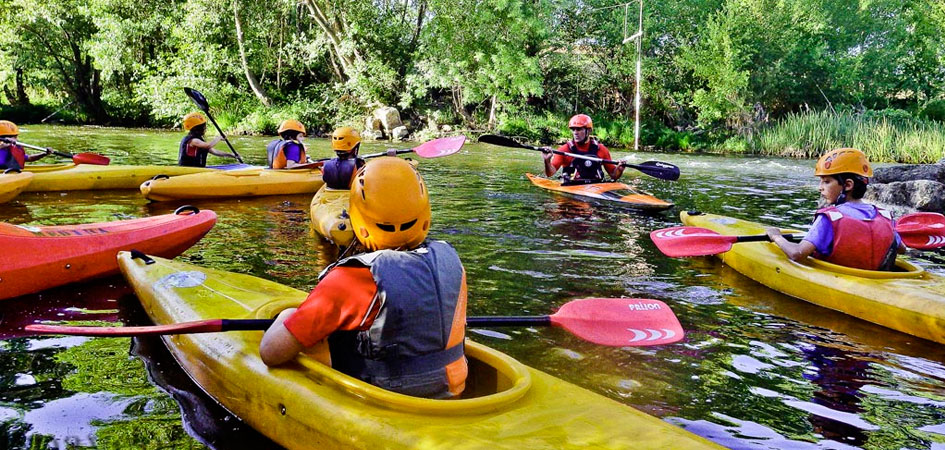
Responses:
[291,124]
[8,128]
[389,205]
[844,160]
[344,139]
[193,119]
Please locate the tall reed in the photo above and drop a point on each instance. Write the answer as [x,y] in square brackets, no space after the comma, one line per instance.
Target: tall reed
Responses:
[882,138]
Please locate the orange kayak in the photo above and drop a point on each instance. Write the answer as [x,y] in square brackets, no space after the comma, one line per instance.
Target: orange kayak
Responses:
[611,193]
[38,258]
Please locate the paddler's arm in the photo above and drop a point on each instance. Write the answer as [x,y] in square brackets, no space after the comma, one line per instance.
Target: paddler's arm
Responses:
[546,155]
[38,156]
[278,345]
[616,172]
[795,251]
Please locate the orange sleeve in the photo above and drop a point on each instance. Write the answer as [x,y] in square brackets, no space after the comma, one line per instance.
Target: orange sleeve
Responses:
[604,153]
[339,302]
[558,161]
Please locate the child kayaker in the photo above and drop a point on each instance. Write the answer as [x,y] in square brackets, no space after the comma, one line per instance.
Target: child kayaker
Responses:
[576,170]
[288,151]
[13,156]
[849,231]
[394,317]
[337,172]
[193,149]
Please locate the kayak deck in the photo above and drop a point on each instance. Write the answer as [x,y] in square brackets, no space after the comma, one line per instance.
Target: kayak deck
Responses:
[909,300]
[11,184]
[611,193]
[306,404]
[72,177]
[251,182]
[329,215]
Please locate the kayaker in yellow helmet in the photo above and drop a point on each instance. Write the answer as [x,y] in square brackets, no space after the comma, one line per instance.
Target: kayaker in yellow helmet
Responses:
[288,151]
[12,155]
[848,231]
[193,149]
[338,171]
[576,170]
[394,316]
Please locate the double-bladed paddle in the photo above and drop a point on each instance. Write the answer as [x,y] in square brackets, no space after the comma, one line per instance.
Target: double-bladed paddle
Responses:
[918,230]
[436,148]
[204,106]
[615,322]
[79,158]
[657,169]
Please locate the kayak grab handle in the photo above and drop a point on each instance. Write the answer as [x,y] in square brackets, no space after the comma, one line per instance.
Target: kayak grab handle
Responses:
[186,208]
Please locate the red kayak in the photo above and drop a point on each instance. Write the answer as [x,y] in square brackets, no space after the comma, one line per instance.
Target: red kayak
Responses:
[38,258]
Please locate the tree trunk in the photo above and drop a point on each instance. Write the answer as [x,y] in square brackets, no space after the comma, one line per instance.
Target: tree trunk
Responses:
[21,97]
[253,83]
[334,28]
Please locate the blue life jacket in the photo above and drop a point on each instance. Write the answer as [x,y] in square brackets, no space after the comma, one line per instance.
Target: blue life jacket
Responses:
[404,350]
[191,156]
[337,173]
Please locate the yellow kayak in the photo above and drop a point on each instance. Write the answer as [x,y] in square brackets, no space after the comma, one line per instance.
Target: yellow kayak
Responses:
[330,216]
[306,404]
[910,300]
[252,182]
[12,183]
[72,177]
[611,193]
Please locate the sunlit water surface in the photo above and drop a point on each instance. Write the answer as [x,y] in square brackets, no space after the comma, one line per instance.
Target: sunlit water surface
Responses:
[757,369]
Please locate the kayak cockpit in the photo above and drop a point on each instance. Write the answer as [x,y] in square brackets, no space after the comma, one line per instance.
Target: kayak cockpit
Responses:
[495,380]
[904,269]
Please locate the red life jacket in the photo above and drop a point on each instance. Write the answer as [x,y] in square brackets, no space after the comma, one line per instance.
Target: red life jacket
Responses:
[859,243]
[17,158]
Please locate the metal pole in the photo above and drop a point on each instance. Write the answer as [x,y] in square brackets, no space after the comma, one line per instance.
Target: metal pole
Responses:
[636,125]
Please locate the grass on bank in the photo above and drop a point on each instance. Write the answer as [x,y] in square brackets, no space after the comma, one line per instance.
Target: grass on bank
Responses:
[884,137]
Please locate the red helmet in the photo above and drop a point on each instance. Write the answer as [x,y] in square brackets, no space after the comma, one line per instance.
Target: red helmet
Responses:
[581,121]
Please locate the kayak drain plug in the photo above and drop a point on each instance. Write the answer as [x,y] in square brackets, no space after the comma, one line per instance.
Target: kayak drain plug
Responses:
[281,409]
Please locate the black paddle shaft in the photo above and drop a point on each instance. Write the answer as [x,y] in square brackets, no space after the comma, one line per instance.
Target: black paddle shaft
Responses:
[482,321]
[204,105]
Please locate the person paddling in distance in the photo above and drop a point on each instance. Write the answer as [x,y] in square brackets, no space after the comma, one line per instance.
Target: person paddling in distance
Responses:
[288,151]
[193,149]
[576,170]
[12,155]
[848,231]
[338,172]
[395,316]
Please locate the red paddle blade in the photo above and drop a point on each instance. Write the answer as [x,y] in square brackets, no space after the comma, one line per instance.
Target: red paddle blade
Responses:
[922,230]
[202,326]
[440,147]
[691,241]
[620,322]
[91,158]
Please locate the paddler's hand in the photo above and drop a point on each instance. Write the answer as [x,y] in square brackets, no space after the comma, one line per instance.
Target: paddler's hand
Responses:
[772,232]
[48,151]
[546,153]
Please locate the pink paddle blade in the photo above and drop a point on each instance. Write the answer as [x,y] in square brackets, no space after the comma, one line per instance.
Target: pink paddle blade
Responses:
[691,241]
[922,230]
[440,147]
[620,322]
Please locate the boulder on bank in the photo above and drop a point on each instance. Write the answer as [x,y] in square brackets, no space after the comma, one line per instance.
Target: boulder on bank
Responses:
[909,172]
[921,195]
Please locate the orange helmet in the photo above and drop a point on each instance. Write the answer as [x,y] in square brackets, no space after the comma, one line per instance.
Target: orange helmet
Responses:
[8,128]
[389,205]
[344,139]
[291,124]
[844,160]
[581,121]
[193,119]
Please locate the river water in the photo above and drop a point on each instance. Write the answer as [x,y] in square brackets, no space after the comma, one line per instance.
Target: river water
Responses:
[757,369]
